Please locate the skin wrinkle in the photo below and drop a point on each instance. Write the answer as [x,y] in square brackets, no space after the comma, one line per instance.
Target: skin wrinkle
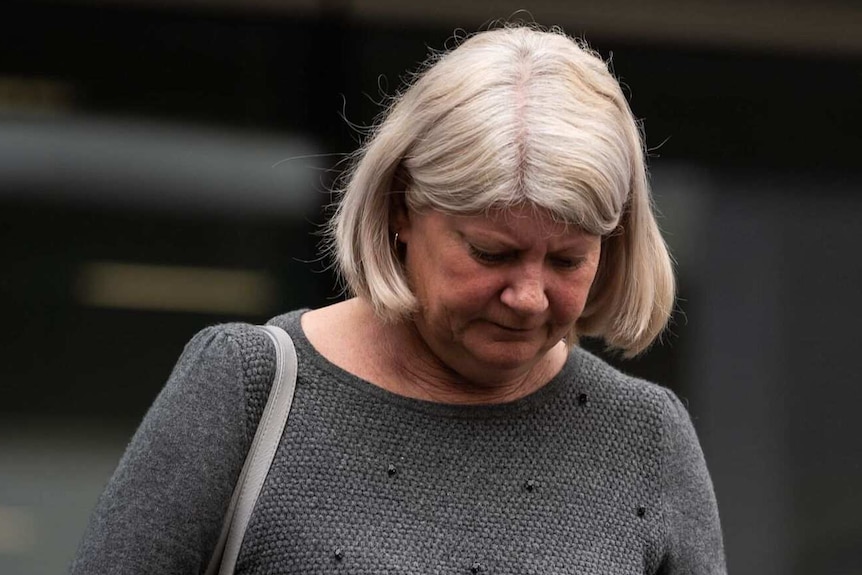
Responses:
[582,462]
[432,381]
[515,170]
[512,116]
[496,327]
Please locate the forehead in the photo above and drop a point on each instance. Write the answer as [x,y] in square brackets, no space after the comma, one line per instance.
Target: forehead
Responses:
[521,217]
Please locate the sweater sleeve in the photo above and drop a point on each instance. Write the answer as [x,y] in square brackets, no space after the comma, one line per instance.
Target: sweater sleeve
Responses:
[162,510]
[694,542]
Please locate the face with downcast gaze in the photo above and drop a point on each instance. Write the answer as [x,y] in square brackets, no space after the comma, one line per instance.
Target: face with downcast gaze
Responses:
[495,291]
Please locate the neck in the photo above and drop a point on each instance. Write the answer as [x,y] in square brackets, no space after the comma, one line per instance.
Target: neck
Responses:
[395,357]
[418,373]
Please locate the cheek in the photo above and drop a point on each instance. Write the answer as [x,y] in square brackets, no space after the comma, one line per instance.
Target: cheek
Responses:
[567,306]
[568,298]
[468,290]
[462,292]
[443,281]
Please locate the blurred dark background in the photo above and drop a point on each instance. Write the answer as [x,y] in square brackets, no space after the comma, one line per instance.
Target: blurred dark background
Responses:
[166,165]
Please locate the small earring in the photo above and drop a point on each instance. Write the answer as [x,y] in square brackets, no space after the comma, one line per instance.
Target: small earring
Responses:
[395,242]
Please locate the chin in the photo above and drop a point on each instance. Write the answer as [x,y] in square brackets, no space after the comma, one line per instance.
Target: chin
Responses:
[509,356]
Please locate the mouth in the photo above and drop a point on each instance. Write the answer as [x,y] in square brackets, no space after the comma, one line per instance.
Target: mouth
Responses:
[514,329]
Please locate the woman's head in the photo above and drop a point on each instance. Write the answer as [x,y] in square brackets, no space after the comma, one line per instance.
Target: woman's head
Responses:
[511,118]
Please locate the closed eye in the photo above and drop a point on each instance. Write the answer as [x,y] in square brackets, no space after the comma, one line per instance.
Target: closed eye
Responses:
[567,263]
[491,258]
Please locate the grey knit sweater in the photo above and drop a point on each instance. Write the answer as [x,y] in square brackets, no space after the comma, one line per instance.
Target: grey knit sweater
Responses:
[596,473]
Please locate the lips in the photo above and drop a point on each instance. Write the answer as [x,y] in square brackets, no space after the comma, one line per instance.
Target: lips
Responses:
[514,329]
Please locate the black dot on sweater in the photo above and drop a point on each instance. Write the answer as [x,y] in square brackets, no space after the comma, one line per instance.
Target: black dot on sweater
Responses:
[530,485]
[476,568]
[582,398]
[391,470]
[641,511]
[339,554]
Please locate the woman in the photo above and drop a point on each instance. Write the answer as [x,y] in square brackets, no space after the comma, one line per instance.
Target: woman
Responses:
[445,420]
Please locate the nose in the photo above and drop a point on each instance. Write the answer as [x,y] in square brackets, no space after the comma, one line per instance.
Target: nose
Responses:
[525,294]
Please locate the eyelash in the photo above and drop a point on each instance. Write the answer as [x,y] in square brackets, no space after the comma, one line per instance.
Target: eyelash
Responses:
[495,258]
[490,257]
[566,263]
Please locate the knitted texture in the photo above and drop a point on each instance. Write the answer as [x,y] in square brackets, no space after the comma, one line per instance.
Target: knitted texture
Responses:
[162,510]
[258,371]
[596,472]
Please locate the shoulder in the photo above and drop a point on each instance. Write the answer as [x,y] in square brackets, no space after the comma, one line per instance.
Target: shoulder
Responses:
[164,505]
[230,360]
[239,348]
[290,321]
[244,341]
[606,383]
[641,403]
[648,423]
[645,412]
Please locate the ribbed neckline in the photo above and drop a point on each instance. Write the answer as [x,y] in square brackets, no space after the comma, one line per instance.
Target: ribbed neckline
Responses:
[291,322]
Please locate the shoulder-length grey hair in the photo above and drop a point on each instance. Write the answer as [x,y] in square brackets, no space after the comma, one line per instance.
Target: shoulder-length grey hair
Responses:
[513,116]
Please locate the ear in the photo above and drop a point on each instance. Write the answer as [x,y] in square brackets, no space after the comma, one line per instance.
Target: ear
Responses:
[399,215]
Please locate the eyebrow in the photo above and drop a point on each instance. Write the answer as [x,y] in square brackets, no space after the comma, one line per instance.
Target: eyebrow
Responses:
[576,243]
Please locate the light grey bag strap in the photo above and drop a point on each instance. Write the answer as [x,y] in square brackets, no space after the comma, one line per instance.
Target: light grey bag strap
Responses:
[260,455]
